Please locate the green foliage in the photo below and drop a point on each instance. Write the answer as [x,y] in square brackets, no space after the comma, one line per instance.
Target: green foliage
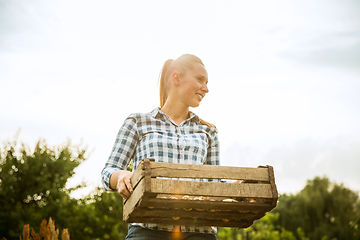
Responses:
[99,216]
[226,233]
[32,185]
[266,229]
[322,210]
[263,229]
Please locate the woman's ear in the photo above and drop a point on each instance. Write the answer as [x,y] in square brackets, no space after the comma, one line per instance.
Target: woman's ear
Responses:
[175,77]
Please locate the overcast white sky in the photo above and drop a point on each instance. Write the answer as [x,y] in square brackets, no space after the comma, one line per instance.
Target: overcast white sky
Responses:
[284,77]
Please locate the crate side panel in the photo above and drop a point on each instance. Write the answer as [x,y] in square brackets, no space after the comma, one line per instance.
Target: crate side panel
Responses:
[176,170]
[208,205]
[137,175]
[195,213]
[198,222]
[134,199]
[210,188]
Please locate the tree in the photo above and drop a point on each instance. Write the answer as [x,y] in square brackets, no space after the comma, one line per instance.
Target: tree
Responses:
[264,228]
[321,209]
[99,217]
[32,185]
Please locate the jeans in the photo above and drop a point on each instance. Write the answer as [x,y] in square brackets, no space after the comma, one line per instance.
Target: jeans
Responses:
[139,233]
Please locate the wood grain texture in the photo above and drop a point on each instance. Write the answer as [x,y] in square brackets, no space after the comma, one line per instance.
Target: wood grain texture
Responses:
[175,170]
[134,199]
[247,190]
[198,222]
[197,203]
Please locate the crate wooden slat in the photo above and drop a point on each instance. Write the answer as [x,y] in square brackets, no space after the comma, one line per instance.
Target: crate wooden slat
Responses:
[157,199]
[215,189]
[198,222]
[176,170]
[240,206]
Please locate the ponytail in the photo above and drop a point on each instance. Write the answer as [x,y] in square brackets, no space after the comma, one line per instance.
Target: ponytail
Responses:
[163,82]
[203,122]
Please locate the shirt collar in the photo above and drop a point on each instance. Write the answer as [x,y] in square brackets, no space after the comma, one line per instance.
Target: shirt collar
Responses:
[193,117]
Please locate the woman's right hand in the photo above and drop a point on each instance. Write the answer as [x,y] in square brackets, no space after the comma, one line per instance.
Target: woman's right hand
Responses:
[120,180]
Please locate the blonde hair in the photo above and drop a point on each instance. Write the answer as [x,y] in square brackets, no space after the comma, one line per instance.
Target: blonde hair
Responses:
[183,63]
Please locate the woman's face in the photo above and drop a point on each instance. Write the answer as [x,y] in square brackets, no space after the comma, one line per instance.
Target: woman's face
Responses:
[193,85]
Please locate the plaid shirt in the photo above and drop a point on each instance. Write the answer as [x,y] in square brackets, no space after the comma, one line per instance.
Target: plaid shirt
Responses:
[155,135]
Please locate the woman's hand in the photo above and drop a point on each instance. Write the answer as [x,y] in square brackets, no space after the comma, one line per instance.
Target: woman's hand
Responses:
[120,180]
[123,185]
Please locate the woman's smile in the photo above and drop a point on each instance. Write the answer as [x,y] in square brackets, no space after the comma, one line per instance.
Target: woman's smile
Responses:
[200,96]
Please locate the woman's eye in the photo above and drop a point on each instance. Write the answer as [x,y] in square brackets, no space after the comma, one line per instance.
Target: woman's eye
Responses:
[202,80]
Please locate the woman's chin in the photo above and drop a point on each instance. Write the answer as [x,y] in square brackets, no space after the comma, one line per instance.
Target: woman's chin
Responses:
[195,105]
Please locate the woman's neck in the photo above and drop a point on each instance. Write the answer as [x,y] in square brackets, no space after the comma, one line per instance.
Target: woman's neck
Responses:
[176,112]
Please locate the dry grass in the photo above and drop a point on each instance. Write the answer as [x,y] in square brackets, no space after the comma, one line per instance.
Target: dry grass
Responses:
[47,232]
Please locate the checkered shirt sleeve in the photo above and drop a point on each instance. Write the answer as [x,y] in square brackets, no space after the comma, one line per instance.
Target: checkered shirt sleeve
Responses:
[122,152]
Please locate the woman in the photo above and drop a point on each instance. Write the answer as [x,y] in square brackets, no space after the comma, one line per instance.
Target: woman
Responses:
[170,133]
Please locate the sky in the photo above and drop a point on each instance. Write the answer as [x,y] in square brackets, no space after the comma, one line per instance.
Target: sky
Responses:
[284,78]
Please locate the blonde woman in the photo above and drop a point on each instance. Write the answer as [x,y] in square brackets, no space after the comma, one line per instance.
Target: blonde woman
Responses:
[171,133]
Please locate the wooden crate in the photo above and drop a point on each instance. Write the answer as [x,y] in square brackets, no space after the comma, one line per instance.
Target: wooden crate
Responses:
[196,203]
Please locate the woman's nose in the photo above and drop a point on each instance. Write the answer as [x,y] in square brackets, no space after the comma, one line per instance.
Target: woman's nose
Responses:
[205,88]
